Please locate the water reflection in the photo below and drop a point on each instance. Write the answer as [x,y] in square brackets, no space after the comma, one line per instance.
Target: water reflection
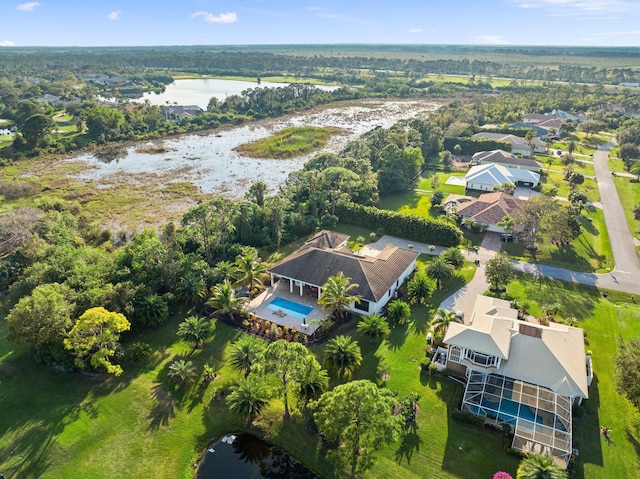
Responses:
[250,457]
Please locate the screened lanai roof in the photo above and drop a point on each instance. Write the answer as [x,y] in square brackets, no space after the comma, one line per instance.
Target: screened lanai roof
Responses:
[540,419]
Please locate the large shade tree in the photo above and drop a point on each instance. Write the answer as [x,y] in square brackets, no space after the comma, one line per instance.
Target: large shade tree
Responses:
[336,295]
[499,271]
[359,417]
[627,363]
[42,320]
[94,338]
[286,361]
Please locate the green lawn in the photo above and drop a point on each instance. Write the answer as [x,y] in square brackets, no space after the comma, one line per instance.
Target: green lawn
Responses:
[55,424]
[629,193]
[424,183]
[409,202]
[603,321]
[584,167]
[589,187]
[590,252]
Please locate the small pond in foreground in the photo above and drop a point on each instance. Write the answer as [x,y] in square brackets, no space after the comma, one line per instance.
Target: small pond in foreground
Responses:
[246,456]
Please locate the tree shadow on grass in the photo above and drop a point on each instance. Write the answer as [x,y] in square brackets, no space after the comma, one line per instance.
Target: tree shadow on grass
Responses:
[398,336]
[409,444]
[164,408]
[586,432]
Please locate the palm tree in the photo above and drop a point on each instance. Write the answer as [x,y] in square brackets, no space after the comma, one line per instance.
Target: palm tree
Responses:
[373,326]
[420,288]
[195,329]
[224,300]
[507,224]
[537,466]
[335,296]
[182,372]
[635,169]
[454,257]
[439,270]
[224,270]
[245,353]
[571,147]
[248,398]
[191,288]
[342,356]
[249,269]
[398,312]
[312,380]
[442,319]
[151,309]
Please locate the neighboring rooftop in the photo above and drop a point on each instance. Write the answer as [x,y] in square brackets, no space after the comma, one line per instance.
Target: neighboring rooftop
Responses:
[505,158]
[490,208]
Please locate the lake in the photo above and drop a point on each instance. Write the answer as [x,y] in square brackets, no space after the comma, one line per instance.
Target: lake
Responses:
[208,159]
[200,90]
[248,457]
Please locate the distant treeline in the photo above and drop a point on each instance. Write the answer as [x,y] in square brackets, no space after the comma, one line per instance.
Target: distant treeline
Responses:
[232,61]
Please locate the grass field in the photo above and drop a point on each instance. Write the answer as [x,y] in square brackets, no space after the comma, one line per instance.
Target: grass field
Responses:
[289,143]
[589,187]
[590,252]
[629,193]
[604,321]
[585,167]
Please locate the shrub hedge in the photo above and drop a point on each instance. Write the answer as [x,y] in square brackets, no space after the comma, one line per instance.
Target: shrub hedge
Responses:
[412,227]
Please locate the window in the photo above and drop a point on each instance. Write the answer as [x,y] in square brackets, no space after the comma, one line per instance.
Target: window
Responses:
[481,359]
[454,354]
[362,306]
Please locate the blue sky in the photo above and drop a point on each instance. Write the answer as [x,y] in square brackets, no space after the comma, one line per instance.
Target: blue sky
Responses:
[219,22]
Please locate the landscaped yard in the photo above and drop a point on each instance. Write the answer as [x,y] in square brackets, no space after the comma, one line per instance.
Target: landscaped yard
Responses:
[585,166]
[589,187]
[604,321]
[629,193]
[590,252]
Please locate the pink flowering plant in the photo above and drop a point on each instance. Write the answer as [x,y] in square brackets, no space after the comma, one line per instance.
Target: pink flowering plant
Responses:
[502,475]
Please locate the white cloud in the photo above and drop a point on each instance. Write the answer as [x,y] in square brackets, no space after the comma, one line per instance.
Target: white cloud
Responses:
[415,30]
[490,39]
[28,7]
[229,17]
[573,7]
[6,43]
[114,15]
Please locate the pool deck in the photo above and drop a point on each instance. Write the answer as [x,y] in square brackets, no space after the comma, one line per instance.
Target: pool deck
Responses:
[258,306]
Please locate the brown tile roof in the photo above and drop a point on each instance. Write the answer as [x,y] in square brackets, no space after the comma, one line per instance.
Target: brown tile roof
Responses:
[490,208]
[326,239]
[374,275]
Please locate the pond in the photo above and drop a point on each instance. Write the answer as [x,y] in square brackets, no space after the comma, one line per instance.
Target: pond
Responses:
[246,456]
[208,160]
[198,91]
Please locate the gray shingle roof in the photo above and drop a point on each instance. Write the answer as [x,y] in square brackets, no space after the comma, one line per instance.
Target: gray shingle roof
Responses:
[374,275]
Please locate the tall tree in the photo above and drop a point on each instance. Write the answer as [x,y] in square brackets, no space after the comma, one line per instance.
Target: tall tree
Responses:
[336,294]
[257,191]
[224,300]
[398,311]
[41,320]
[195,329]
[94,338]
[420,288]
[499,271]
[374,327]
[286,359]
[312,380]
[530,218]
[342,356]
[245,353]
[359,417]
[627,362]
[36,128]
[442,319]
[250,269]
[439,270]
[248,398]
[537,466]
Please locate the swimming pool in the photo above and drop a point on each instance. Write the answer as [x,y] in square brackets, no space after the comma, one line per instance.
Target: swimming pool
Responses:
[507,411]
[291,308]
